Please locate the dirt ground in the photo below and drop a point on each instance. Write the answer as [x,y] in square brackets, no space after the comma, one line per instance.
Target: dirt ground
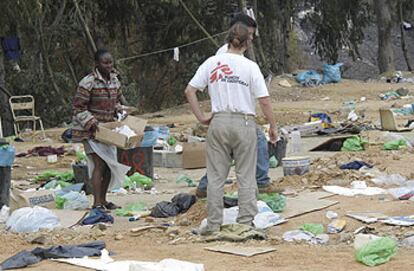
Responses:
[291,106]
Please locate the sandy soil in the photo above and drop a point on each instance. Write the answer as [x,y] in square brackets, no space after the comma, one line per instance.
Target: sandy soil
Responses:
[291,105]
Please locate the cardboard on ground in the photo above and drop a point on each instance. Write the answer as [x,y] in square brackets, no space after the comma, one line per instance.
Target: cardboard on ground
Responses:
[307,202]
[241,251]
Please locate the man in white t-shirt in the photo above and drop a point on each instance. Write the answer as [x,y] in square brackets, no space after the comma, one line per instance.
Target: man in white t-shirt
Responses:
[262,165]
[234,83]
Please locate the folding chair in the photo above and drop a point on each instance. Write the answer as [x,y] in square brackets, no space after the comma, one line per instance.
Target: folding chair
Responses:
[24,104]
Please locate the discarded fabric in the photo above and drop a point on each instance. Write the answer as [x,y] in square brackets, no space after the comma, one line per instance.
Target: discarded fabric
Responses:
[29,219]
[42,151]
[355,165]
[26,258]
[236,233]
[97,216]
[179,204]
[298,235]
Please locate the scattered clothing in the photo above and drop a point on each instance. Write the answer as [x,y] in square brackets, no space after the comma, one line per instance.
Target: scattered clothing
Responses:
[26,258]
[355,165]
[236,233]
[11,48]
[96,215]
[179,204]
[42,151]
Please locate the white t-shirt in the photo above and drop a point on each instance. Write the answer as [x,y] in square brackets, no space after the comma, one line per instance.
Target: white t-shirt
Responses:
[234,83]
[223,49]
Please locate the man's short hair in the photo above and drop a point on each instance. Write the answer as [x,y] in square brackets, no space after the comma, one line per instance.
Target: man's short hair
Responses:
[244,19]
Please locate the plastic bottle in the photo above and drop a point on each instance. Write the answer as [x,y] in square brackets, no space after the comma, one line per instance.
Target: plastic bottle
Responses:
[296,141]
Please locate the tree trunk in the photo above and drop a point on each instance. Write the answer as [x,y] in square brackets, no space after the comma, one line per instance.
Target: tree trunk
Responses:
[85,26]
[403,44]
[384,25]
[5,113]
[250,51]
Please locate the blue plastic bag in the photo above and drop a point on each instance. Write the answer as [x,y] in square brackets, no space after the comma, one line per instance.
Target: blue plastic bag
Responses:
[150,138]
[331,73]
[309,78]
[7,154]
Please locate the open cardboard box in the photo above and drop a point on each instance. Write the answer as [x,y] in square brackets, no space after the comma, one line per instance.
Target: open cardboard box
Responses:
[106,134]
[194,155]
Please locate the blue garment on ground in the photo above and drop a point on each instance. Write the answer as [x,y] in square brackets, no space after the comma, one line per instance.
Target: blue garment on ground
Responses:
[355,165]
[331,73]
[11,48]
[262,166]
[97,216]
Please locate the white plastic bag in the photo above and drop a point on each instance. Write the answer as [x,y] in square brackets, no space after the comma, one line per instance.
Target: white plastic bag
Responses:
[4,214]
[29,219]
[393,179]
[75,201]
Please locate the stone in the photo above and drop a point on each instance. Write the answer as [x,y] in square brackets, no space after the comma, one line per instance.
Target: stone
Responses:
[119,237]
[41,239]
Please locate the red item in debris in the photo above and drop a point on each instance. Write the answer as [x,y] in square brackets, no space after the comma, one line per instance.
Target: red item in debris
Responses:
[42,151]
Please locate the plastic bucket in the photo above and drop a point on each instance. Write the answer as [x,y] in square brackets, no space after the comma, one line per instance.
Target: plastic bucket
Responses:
[295,165]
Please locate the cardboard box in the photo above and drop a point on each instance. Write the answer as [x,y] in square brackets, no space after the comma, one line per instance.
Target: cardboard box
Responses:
[20,199]
[167,159]
[194,155]
[106,135]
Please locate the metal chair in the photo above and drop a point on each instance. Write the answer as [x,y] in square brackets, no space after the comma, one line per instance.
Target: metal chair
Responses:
[24,104]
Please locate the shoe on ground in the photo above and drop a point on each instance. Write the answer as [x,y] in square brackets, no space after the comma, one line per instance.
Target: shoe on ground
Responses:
[200,193]
[207,231]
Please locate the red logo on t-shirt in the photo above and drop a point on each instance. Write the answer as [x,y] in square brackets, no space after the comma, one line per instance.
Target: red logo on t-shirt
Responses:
[219,71]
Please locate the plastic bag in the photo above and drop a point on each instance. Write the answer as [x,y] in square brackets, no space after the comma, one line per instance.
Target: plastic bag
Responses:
[52,174]
[131,209]
[275,201]
[138,180]
[393,179]
[7,154]
[185,179]
[354,143]
[29,219]
[395,144]
[150,138]
[273,162]
[309,76]
[75,201]
[315,229]
[53,184]
[377,252]
[331,73]
[4,214]
[266,219]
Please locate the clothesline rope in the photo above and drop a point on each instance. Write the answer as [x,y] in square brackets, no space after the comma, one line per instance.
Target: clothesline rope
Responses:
[168,49]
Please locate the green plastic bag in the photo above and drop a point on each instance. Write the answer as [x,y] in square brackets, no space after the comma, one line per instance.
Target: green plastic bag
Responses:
[131,209]
[377,252]
[52,174]
[80,157]
[275,201]
[60,202]
[185,179]
[315,229]
[55,183]
[138,180]
[273,162]
[395,144]
[171,141]
[354,143]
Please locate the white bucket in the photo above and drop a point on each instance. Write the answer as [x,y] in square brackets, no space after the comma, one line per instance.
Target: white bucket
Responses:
[295,165]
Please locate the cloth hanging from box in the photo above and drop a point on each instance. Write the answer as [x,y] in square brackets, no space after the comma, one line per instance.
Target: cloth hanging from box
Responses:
[108,153]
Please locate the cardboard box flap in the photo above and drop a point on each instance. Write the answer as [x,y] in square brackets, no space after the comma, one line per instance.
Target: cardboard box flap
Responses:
[136,124]
[194,155]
